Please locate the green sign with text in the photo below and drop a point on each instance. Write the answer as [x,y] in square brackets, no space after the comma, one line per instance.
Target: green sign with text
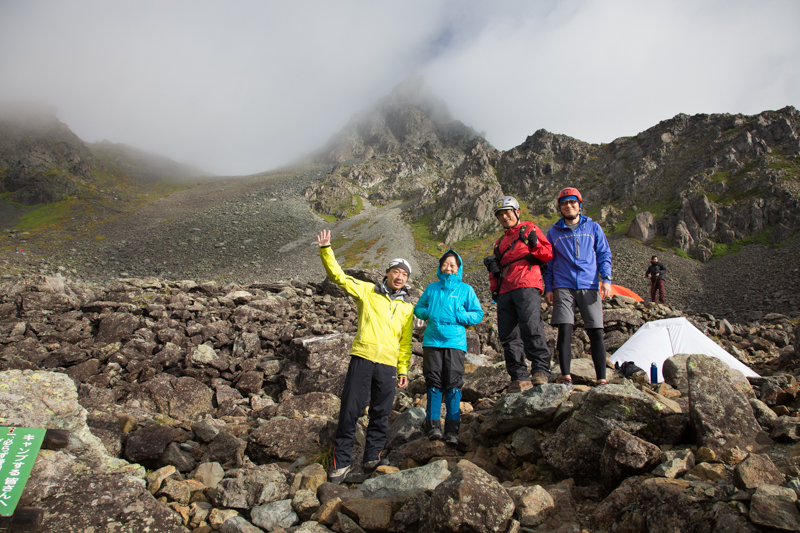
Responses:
[18,450]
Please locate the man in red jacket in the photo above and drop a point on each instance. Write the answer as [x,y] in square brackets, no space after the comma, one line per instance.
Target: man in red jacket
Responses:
[515,279]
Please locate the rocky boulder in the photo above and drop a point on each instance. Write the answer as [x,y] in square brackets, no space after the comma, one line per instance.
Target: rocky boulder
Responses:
[470,500]
[721,415]
[577,445]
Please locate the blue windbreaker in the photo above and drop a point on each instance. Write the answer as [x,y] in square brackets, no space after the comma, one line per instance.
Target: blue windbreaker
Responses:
[448,305]
[578,256]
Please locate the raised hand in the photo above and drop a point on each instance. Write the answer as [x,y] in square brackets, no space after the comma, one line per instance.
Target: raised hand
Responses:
[324,237]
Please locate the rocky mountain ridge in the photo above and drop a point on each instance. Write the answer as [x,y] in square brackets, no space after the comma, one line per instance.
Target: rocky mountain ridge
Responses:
[710,179]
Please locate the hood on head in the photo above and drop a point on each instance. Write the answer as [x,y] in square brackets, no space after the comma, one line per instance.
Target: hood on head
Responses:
[457,276]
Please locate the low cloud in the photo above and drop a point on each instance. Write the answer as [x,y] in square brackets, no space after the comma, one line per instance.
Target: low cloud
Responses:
[243,87]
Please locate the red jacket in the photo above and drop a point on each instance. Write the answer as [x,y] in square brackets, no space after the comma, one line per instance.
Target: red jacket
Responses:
[517,271]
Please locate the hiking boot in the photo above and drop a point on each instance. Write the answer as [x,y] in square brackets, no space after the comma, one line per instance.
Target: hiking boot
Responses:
[337,476]
[370,466]
[567,382]
[539,378]
[435,433]
[519,385]
[451,439]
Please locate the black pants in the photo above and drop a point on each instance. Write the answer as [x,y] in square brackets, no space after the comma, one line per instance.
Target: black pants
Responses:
[370,383]
[521,332]
[443,368]
[564,349]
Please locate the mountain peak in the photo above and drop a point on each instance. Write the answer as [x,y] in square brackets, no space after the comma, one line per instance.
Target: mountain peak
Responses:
[408,118]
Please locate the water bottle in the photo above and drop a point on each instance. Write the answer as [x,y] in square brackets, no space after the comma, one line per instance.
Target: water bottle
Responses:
[653,374]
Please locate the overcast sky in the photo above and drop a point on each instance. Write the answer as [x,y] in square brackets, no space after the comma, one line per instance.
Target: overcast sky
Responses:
[245,86]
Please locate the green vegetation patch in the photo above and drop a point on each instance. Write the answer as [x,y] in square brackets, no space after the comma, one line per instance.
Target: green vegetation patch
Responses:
[721,250]
[423,239]
[49,216]
[680,253]
[352,254]
[331,219]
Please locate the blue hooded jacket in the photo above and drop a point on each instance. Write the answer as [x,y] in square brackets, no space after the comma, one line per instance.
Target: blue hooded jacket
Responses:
[578,256]
[448,305]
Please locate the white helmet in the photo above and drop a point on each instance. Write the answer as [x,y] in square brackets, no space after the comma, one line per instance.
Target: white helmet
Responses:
[505,202]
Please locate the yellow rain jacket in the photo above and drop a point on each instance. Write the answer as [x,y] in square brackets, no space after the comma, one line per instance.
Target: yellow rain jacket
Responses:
[384,324]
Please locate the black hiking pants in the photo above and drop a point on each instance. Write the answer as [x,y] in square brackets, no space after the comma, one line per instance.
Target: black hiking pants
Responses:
[521,331]
[370,383]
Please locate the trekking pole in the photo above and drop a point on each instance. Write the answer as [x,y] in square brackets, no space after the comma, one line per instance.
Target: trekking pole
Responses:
[779,392]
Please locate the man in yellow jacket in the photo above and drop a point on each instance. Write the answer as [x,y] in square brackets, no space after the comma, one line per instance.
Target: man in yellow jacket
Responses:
[379,355]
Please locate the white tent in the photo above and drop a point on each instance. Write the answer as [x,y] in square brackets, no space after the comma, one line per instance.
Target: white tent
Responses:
[656,341]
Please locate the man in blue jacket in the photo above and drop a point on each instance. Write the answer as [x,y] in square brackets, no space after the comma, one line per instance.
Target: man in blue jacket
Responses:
[581,262]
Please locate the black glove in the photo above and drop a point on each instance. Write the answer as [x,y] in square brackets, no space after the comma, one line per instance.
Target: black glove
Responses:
[530,239]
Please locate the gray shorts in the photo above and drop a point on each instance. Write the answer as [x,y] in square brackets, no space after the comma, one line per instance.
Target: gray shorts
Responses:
[587,300]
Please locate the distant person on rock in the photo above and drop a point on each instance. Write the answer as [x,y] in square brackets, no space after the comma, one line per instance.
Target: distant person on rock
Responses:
[657,274]
[581,263]
[379,358]
[449,305]
[515,279]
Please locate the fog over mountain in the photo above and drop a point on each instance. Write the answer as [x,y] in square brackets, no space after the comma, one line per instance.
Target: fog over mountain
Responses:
[243,88]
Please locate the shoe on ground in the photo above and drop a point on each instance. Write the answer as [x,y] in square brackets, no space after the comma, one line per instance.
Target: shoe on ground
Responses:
[539,378]
[451,438]
[435,434]
[337,476]
[567,382]
[519,385]
[370,466]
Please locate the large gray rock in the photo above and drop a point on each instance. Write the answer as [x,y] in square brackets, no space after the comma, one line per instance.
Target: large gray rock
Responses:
[483,382]
[786,429]
[533,407]
[414,515]
[282,439]
[532,504]
[250,487]
[406,427]
[117,327]
[756,470]
[675,375]
[677,463]
[182,398]
[327,354]
[406,482]
[273,515]
[625,455]
[575,448]
[775,507]
[148,444]
[80,486]
[237,524]
[313,404]
[721,415]
[643,227]
[470,500]
[667,506]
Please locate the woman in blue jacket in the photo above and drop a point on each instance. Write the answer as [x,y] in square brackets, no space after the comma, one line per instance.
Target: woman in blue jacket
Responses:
[449,305]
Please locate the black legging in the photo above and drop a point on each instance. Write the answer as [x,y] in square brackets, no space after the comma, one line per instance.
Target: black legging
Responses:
[564,349]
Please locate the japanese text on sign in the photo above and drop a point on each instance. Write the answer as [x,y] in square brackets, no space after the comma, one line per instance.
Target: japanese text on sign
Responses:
[18,450]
